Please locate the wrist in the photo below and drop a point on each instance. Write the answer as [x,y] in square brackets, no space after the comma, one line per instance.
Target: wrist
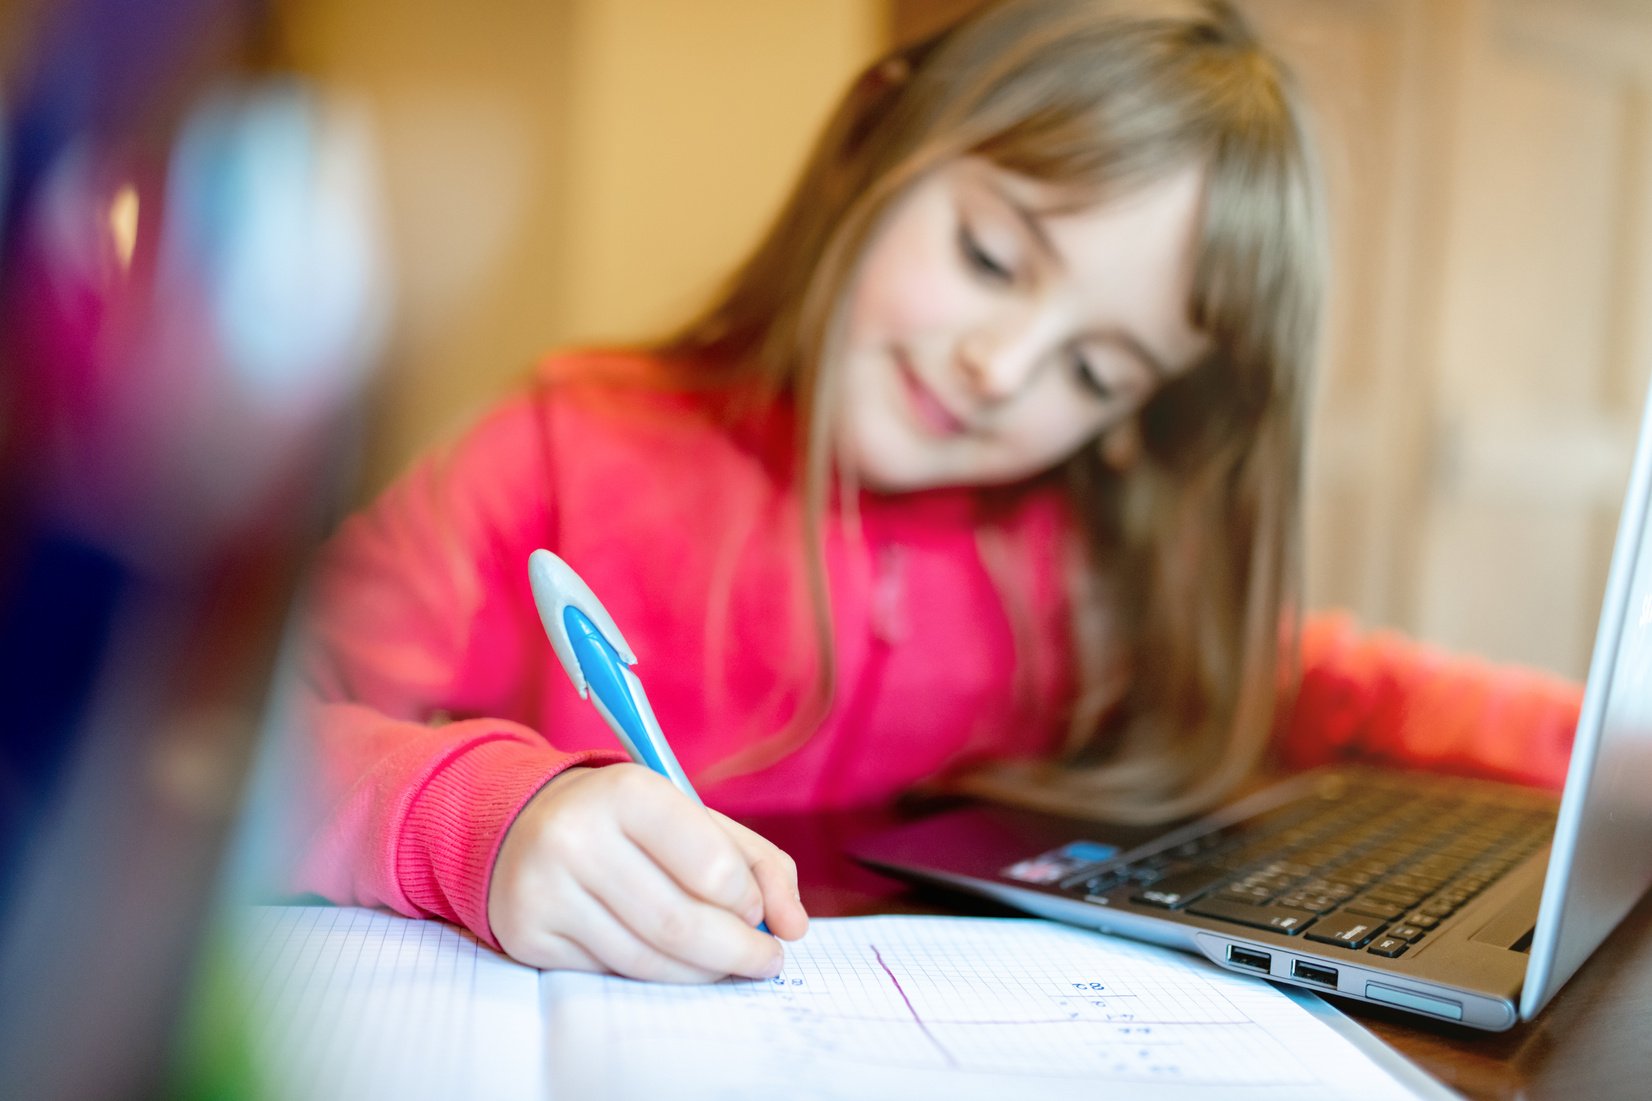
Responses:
[451,836]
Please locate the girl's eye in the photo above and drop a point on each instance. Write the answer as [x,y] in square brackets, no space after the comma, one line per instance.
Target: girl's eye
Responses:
[980,259]
[1090,379]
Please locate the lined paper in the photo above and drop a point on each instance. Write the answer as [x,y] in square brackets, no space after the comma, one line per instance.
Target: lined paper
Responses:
[360,1004]
[354,1003]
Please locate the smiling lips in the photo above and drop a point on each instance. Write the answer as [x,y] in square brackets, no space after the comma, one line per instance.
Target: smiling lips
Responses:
[931,414]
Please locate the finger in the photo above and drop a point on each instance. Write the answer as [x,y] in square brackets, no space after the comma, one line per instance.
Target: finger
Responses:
[522,929]
[655,908]
[552,951]
[776,875]
[680,837]
[599,932]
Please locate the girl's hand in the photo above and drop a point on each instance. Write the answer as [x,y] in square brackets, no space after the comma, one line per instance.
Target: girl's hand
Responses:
[614,869]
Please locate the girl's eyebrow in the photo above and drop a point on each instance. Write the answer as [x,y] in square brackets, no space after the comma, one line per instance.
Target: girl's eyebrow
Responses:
[1033,222]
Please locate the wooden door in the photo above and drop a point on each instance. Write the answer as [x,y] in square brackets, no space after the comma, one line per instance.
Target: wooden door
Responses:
[1490,163]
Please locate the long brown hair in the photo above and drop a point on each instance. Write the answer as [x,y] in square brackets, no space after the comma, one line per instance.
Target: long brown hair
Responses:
[1189,555]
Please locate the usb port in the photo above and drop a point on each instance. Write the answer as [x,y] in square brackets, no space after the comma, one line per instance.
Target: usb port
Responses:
[1251,958]
[1313,972]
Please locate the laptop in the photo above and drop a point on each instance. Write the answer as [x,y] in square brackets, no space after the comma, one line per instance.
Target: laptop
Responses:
[1456,900]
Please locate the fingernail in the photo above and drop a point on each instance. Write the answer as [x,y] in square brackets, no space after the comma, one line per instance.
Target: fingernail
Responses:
[772,968]
[755,914]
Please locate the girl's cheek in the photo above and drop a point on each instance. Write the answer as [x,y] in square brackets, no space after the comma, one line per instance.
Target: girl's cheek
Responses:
[926,298]
[914,285]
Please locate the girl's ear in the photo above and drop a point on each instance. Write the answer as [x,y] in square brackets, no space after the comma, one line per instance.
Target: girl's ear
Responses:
[1120,445]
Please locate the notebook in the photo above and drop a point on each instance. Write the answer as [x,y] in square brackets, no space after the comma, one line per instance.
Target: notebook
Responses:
[1456,900]
[349,1002]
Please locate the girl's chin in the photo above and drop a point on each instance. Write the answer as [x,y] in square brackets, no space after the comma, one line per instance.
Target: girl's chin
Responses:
[902,460]
[890,482]
[911,473]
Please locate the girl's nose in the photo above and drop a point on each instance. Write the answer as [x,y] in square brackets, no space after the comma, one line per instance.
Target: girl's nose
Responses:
[998,362]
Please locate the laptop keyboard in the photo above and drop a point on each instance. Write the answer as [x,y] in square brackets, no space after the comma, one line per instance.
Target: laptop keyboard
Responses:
[1372,871]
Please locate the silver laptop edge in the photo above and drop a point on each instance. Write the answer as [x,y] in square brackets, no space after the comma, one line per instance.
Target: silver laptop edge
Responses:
[1594,878]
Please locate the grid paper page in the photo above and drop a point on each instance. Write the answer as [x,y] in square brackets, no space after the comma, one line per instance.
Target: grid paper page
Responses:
[908,1007]
[354,1003]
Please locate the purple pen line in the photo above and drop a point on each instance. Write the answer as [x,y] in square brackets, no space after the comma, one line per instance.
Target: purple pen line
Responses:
[910,1009]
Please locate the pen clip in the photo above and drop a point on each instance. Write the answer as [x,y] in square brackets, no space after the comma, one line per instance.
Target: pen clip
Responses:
[556,587]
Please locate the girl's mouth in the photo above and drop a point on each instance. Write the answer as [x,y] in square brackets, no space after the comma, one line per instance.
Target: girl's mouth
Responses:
[929,411]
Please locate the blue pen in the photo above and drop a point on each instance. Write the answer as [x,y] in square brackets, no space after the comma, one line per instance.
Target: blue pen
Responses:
[598,661]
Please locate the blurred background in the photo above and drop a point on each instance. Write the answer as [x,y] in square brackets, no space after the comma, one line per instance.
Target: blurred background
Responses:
[256,254]
[585,170]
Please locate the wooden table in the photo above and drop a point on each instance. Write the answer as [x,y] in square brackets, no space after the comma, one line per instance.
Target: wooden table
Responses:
[1593,1041]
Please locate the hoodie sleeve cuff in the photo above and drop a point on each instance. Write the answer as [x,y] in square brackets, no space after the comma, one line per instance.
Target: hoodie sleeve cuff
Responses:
[458,819]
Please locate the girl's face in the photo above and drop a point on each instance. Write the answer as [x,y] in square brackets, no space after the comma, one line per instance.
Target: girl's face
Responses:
[989,338]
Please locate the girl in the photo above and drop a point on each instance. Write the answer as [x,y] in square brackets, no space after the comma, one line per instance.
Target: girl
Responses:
[984,465]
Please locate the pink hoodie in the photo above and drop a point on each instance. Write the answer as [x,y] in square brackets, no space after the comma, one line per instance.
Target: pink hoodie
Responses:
[434,707]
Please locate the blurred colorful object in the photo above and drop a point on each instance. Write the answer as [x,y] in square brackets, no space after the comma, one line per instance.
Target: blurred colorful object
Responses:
[192,293]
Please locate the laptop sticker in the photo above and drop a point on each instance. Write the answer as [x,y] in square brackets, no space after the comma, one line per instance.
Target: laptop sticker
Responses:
[1059,863]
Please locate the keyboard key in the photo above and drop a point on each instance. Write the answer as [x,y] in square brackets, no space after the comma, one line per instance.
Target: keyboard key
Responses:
[1280,919]
[1375,907]
[1411,933]
[1409,881]
[1272,882]
[1346,930]
[1175,891]
[1369,865]
[1326,887]
[1319,904]
[1389,946]
[1239,892]
[1100,884]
